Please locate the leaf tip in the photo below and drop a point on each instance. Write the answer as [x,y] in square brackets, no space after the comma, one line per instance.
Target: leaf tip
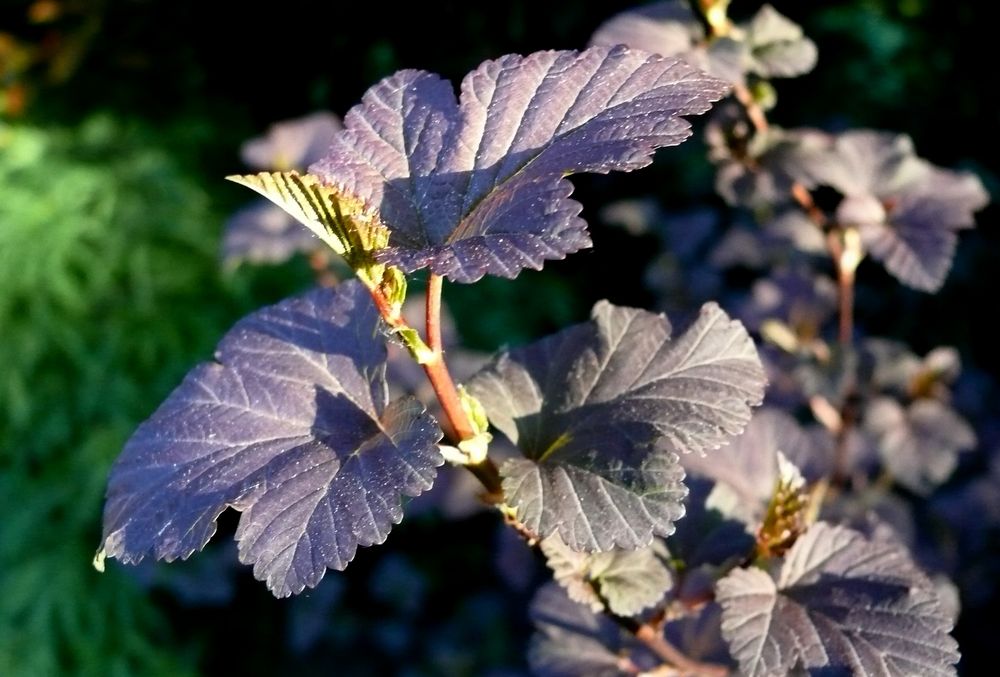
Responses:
[98,561]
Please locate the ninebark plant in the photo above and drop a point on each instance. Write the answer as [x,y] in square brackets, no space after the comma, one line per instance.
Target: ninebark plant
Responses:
[292,424]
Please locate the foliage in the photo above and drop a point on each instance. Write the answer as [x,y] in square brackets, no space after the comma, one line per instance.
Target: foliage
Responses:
[72,330]
[866,445]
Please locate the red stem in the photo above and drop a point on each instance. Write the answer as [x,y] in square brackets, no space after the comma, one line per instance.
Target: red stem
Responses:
[654,640]
[447,394]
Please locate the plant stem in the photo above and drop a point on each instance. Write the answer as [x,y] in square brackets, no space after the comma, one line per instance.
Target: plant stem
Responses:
[654,640]
[447,394]
[754,112]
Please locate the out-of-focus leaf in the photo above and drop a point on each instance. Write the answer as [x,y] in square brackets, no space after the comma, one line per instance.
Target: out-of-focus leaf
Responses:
[292,144]
[570,640]
[840,604]
[758,169]
[778,48]
[798,297]
[292,428]
[769,46]
[698,635]
[477,186]
[261,232]
[629,581]
[601,411]
[906,209]
[748,466]
[671,28]
[920,443]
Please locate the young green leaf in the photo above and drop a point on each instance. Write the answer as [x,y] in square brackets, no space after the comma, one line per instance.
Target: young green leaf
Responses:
[348,226]
[627,581]
[602,410]
[291,427]
[840,604]
[477,186]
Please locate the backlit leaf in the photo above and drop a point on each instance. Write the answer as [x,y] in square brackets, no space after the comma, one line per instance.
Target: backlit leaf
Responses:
[291,427]
[477,185]
[347,225]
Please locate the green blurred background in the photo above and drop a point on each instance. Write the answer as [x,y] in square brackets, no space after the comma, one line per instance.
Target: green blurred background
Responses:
[118,120]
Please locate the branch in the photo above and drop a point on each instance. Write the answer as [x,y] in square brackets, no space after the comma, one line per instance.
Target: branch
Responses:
[444,387]
[653,638]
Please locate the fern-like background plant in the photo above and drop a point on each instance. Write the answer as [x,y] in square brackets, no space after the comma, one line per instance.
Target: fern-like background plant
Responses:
[730,413]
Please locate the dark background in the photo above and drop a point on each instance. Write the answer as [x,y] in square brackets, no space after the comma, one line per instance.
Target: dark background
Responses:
[119,120]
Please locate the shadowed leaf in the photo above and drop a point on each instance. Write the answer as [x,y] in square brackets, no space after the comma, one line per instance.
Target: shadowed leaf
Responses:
[602,410]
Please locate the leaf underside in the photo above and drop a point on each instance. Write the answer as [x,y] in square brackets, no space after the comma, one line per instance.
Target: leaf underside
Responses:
[841,604]
[602,410]
[291,427]
[477,185]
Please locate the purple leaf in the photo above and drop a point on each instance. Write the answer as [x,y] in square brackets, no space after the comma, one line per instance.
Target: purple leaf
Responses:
[626,581]
[778,49]
[840,604]
[292,428]
[920,443]
[770,45]
[602,410]
[673,29]
[748,465]
[477,186]
[291,144]
[906,209]
[571,640]
[801,299]
[264,233]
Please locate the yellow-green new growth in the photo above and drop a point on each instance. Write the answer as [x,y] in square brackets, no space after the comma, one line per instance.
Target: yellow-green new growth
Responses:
[345,223]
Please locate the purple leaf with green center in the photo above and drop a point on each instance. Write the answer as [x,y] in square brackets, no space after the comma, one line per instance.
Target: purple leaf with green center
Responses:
[906,209]
[478,186]
[602,410]
[293,428]
[840,604]
[292,144]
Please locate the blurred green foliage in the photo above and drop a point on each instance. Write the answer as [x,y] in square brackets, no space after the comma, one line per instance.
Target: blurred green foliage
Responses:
[110,291]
